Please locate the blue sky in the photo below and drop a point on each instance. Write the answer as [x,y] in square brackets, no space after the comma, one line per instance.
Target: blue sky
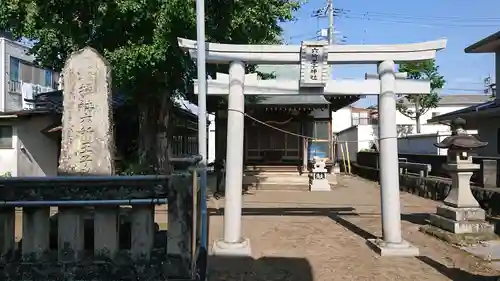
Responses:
[395,22]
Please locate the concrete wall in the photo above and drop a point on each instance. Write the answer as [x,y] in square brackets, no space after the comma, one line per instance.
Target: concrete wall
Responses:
[424,143]
[358,138]
[341,120]
[363,137]
[489,130]
[37,154]
[33,153]
[8,156]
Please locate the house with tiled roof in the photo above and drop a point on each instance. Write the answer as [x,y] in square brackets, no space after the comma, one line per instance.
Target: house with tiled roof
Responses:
[30,139]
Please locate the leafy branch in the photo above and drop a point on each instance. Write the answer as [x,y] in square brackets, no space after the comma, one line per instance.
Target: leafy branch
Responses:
[421,104]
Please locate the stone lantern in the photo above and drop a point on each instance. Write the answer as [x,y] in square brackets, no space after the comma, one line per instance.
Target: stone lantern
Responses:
[461,212]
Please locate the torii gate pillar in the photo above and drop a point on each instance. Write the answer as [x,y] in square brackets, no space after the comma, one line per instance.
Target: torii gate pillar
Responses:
[392,243]
[233,244]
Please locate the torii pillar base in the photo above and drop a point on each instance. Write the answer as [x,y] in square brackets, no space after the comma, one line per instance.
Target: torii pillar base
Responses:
[225,249]
[403,249]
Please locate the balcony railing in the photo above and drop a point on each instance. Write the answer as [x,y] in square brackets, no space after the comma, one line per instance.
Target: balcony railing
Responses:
[16,87]
[364,121]
[17,99]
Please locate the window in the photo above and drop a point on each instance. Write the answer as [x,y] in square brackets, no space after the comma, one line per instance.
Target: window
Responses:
[48,79]
[434,114]
[321,130]
[14,69]
[26,72]
[355,118]
[320,146]
[5,136]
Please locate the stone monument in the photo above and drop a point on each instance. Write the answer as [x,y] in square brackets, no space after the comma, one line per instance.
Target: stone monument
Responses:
[461,213]
[319,180]
[87,128]
[87,145]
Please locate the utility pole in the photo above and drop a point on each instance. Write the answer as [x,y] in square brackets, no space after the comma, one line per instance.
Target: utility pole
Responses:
[202,119]
[490,86]
[331,30]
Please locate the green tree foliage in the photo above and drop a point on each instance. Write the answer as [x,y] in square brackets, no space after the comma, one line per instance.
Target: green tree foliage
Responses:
[139,39]
[424,70]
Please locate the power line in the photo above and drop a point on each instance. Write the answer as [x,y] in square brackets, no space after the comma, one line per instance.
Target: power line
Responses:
[430,21]
[429,25]
[464,89]
[406,16]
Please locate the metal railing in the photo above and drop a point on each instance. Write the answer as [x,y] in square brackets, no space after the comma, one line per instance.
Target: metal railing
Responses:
[17,87]
[364,121]
[104,227]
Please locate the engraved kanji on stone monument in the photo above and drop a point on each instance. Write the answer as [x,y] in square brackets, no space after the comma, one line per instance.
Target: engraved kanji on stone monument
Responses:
[87,145]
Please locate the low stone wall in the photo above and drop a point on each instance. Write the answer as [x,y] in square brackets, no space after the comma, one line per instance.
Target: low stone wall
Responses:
[435,188]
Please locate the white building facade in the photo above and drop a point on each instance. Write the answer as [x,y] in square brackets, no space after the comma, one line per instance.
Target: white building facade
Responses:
[358,127]
[23,148]
[349,116]
[20,78]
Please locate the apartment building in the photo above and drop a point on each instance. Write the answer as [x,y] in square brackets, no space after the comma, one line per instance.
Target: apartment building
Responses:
[21,79]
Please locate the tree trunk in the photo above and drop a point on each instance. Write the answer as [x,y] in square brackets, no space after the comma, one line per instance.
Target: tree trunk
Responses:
[417,113]
[155,134]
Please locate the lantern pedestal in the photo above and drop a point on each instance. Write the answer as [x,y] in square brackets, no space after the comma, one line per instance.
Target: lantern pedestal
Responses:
[461,213]
[461,220]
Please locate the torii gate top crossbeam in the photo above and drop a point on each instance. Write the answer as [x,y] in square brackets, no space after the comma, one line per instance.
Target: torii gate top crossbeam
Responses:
[337,54]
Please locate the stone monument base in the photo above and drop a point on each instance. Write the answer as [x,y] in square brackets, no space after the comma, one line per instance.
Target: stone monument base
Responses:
[466,239]
[320,186]
[241,249]
[403,249]
[461,220]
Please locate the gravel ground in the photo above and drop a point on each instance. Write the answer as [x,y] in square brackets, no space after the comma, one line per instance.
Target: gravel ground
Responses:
[321,236]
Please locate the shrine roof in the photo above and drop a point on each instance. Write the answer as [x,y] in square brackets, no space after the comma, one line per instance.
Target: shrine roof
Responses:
[294,100]
[490,109]
[52,103]
[490,44]
[306,101]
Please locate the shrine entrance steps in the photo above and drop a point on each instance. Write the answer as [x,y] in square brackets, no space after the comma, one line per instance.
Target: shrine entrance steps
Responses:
[267,177]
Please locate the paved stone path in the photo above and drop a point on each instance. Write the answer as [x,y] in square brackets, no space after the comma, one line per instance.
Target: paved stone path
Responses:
[321,237]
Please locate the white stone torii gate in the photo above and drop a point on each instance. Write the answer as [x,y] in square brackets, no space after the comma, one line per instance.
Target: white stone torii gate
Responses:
[314,58]
[253,86]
